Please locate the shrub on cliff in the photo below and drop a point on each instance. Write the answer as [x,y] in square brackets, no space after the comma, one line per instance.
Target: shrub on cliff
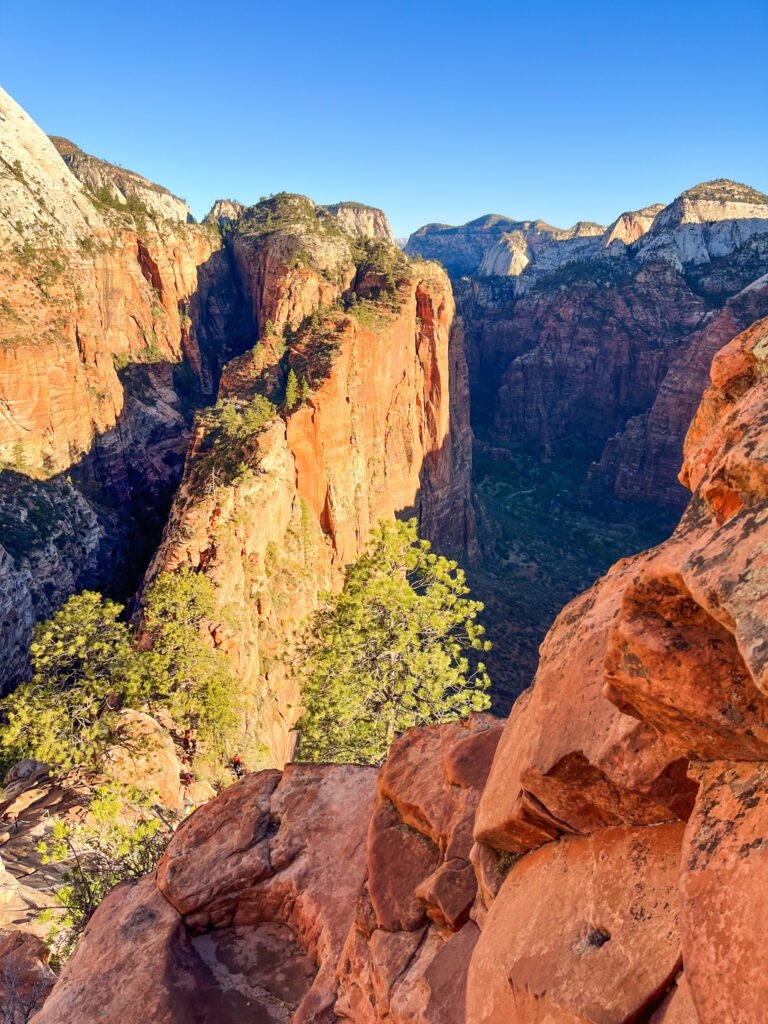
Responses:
[84,670]
[121,839]
[390,651]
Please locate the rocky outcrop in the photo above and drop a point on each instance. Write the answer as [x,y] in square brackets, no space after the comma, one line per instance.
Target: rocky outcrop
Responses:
[407,952]
[108,338]
[708,221]
[642,461]
[119,185]
[25,977]
[495,245]
[211,942]
[362,221]
[373,437]
[355,219]
[225,211]
[597,340]
[630,226]
[259,914]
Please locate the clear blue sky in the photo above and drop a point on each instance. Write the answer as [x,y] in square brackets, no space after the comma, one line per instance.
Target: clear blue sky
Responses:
[433,111]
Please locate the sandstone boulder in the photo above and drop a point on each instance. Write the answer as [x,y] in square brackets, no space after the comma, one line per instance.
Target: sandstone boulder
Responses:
[583,930]
[724,897]
[406,954]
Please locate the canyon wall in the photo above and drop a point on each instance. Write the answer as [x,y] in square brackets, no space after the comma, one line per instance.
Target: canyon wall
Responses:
[614,826]
[103,356]
[597,341]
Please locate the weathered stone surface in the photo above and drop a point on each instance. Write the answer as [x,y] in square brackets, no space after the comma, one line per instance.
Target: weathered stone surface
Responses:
[643,460]
[146,966]
[583,930]
[569,760]
[121,184]
[406,955]
[724,898]
[677,1007]
[98,309]
[25,977]
[295,831]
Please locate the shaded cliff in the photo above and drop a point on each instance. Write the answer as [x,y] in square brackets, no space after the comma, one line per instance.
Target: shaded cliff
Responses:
[617,861]
[273,515]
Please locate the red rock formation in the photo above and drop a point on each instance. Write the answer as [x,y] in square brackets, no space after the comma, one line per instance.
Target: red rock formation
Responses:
[95,321]
[25,978]
[373,439]
[668,647]
[643,459]
[582,930]
[406,956]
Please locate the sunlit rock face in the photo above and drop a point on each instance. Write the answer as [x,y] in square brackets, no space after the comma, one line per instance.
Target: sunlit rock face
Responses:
[117,319]
[103,354]
[384,431]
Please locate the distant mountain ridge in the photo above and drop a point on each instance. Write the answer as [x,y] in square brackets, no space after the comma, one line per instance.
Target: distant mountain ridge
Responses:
[705,222]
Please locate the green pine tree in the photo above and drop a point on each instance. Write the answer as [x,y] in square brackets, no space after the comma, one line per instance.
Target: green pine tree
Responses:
[291,391]
[304,389]
[84,671]
[389,651]
[189,677]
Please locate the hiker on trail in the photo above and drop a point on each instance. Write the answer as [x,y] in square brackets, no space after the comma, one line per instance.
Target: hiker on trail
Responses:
[237,766]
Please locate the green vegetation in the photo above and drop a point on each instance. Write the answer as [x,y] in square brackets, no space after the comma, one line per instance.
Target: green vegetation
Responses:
[189,677]
[8,311]
[122,839]
[283,210]
[106,199]
[86,668]
[291,391]
[390,651]
[383,264]
[230,425]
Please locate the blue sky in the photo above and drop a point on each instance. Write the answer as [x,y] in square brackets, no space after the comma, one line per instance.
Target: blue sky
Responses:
[433,111]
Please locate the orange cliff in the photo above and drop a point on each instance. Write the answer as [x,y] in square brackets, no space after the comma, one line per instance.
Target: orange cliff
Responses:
[618,846]
[374,438]
[107,334]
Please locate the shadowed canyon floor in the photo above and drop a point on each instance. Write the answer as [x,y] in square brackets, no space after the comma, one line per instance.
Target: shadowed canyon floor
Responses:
[545,534]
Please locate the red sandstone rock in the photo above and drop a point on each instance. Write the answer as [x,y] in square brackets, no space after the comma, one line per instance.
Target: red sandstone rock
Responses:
[135,962]
[287,838]
[25,977]
[724,895]
[677,1006]
[569,760]
[396,967]
[583,930]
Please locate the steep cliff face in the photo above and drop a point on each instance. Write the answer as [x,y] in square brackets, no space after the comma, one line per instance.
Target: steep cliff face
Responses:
[362,221]
[122,186]
[642,460]
[105,347]
[618,865]
[373,350]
